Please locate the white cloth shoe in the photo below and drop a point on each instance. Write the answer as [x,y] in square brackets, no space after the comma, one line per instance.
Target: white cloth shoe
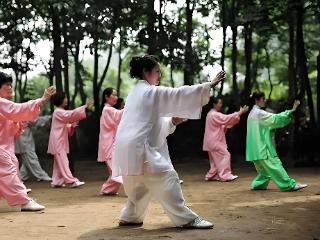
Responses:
[77,184]
[198,223]
[46,179]
[299,186]
[32,206]
[180,181]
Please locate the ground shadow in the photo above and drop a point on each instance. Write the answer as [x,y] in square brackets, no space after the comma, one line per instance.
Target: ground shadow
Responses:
[122,233]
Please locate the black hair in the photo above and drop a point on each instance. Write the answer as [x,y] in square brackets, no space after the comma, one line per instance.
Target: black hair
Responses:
[119,103]
[256,95]
[140,63]
[4,78]
[106,92]
[214,100]
[58,98]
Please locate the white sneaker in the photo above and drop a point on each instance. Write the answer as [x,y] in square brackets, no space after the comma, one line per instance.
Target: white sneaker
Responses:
[77,184]
[32,206]
[234,177]
[46,179]
[198,223]
[299,186]
[180,181]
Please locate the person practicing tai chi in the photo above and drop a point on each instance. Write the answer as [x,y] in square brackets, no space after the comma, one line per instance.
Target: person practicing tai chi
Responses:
[139,155]
[214,141]
[11,114]
[109,121]
[260,148]
[26,150]
[63,124]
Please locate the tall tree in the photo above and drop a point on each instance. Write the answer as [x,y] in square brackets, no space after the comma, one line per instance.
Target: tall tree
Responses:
[302,68]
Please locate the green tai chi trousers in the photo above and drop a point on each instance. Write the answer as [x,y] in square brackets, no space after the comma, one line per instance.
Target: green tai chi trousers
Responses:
[272,169]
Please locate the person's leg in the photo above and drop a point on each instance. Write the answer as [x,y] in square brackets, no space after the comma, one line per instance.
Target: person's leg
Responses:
[62,163]
[57,179]
[278,174]
[165,187]
[30,159]
[24,173]
[110,186]
[221,158]
[11,187]
[138,200]
[261,181]
[212,174]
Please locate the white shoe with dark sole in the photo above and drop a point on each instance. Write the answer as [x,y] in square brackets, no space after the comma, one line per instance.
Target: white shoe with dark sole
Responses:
[32,206]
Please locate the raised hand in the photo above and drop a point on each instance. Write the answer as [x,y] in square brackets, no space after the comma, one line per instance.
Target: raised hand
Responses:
[244,109]
[75,124]
[176,120]
[295,105]
[48,93]
[220,77]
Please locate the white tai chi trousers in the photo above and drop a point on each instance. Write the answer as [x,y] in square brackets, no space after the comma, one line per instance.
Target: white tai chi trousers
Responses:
[165,187]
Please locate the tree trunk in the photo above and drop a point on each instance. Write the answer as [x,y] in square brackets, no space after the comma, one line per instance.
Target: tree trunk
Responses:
[269,72]
[248,58]
[56,37]
[95,76]
[106,68]
[119,64]
[318,88]
[171,74]
[188,74]
[78,79]
[291,65]
[302,68]
[151,16]
[234,56]
[65,60]
[224,28]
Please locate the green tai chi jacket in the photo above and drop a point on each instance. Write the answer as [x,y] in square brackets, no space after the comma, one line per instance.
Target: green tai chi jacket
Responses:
[260,129]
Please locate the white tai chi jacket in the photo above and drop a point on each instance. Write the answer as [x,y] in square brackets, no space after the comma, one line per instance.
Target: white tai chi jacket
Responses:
[139,141]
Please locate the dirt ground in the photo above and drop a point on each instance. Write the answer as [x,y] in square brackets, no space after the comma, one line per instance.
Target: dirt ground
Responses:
[236,212]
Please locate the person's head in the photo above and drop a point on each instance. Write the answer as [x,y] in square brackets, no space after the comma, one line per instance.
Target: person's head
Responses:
[120,104]
[5,86]
[258,99]
[109,96]
[216,103]
[60,100]
[147,68]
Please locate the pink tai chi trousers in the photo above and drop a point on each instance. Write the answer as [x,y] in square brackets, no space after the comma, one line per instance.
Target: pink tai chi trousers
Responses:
[11,186]
[110,186]
[220,168]
[61,172]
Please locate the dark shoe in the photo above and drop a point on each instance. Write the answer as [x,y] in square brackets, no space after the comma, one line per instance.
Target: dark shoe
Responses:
[198,223]
[124,223]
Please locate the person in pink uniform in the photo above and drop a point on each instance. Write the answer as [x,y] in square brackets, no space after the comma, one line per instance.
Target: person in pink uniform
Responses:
[63,124]
[214,141]
[109,121]
[11,186]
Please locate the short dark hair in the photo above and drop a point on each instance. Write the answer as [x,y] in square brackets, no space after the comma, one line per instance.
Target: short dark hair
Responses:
[140,63]
[4,78]
[257,95]
[58,98]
